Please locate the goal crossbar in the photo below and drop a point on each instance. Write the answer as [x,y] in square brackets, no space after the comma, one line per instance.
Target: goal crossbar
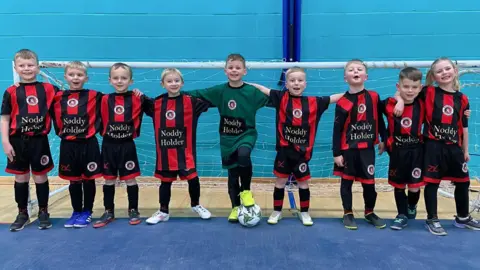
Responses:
[263,65]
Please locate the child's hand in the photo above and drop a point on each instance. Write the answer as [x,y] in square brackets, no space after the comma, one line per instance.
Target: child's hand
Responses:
[8,150]
[466,155]
[398,110]
[137,92]
[338,160]
[467,113]
[381,148]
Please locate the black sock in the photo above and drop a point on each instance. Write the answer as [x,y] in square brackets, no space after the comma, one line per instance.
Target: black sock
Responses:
[21,195]
[165,194]
[245,177]
[89,192]
[76,195]
[194,191]
[413,198]
[462,202]
[431,200]
[43,191]
[304,195]
[132,193]
[278,195]
[369,197]
[401,201]
[346,195]
[108,197]
[234,187]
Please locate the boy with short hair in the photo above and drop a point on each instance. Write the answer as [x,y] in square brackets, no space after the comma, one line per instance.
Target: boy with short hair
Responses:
[237,103]
[297,119]
[404,145]
[358,124]
[76,118]
[121,114]
[25,124]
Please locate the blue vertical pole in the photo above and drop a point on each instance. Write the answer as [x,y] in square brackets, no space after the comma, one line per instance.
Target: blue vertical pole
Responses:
[297,22]
[286,10]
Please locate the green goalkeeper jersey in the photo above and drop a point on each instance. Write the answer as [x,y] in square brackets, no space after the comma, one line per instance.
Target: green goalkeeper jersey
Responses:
[237,107]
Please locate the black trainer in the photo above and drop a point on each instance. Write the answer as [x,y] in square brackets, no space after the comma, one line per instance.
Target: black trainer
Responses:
[134,216]
[44,220]
[20,222]
[399,223]
[434,226]
[373,219]
[469,223]
[106,218]
[349,222]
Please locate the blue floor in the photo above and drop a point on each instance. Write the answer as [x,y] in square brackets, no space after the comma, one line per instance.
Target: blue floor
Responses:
[186,243]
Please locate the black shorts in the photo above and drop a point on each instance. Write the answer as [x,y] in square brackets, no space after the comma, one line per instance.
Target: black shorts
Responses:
[170,176]
[235,160]
[444,162]
[80,160]
[291,162]
[405,167]
[31,152]
[120,160]
[359,165]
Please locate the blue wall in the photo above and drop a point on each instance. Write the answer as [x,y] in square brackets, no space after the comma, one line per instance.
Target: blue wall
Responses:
[193,30]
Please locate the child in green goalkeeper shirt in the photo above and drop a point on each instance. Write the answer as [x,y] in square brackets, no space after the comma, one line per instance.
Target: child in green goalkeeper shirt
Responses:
[237,103]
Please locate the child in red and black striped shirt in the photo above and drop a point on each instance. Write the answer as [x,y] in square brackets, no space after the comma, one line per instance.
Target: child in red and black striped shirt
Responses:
[175,117]
[296,127]
[405,145]
[358,124]
[25,125]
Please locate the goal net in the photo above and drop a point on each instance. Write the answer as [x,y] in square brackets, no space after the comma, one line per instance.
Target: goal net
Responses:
[323,78]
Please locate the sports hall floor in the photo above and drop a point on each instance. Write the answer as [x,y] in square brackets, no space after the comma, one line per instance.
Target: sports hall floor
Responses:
[186,242]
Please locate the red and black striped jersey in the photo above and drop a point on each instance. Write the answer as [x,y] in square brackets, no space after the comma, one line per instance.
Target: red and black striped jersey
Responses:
[122,115]
[444,115]
[28,106]
[406,130]
[175,123]
[358,122]
[297,120]
[76,114]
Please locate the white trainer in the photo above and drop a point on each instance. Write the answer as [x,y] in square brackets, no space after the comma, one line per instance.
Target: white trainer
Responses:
[202,212]
[157,217]
[274,217]
[305,218]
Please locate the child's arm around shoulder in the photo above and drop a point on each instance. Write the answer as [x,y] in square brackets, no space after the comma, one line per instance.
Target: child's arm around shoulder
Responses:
[263,89]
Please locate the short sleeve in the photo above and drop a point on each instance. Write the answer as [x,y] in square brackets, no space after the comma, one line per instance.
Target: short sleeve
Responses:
[322,104]
[275,97]
[6,103]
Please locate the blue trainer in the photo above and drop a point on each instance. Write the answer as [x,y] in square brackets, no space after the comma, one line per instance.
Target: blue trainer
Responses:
[71,221]
[83,220]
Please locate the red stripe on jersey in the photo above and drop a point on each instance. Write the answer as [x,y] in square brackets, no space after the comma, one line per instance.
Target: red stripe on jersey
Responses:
[312,124]
[32,99]
[171,123]
[15,111]
[389,108]
[136,113]
[296,105]
[73,110]
[447,109]
[105,113]
[156,124]
[361,116]
[406,129]
[429,103]
[50,94]
[282,119]
[92,113]
[188,122]
[119,105]
[57,110]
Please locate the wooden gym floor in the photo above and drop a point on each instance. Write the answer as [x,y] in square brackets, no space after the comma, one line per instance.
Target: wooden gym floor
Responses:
[325,199]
